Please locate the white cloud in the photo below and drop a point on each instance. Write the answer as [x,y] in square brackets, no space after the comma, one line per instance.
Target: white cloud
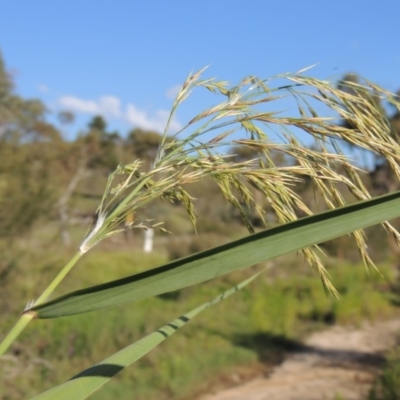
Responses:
[152,121]
[110,106]
[106,105]
[43,88]
[172,92]
[74,104]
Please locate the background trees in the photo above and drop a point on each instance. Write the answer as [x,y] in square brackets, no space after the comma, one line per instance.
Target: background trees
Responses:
[29,147]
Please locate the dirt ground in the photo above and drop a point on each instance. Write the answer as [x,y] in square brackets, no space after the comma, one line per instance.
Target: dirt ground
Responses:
[338,363]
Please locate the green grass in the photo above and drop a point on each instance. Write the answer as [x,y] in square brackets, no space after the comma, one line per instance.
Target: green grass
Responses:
[257,325]
[387,385]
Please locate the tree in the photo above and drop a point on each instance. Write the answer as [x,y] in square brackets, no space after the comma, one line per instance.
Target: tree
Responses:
[66,117]
[144,144]
[26,150]
[101,145]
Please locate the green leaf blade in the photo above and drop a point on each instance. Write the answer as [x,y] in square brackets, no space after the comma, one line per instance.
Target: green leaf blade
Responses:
[221,260]
[85,383]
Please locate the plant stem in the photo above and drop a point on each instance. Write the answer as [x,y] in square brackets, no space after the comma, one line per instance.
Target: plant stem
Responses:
[57,280]
[15,331]
[26,318]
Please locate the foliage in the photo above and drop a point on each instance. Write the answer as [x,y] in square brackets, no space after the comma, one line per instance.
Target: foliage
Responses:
[25,189]
[387,386]
[101,145]
[144,144]
[208,348]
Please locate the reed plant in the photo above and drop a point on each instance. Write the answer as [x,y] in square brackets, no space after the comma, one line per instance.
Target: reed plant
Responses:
[244,117]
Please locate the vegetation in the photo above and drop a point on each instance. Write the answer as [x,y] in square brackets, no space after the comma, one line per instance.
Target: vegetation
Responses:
[258,183]
[387,386]
[269,319]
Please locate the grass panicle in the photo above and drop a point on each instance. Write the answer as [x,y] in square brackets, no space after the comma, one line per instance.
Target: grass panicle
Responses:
[189,155]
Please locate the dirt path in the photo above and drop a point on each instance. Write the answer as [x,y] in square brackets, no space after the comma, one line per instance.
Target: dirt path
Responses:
[333,363]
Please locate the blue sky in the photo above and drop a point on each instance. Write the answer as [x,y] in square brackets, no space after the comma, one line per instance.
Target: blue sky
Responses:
[124,58]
